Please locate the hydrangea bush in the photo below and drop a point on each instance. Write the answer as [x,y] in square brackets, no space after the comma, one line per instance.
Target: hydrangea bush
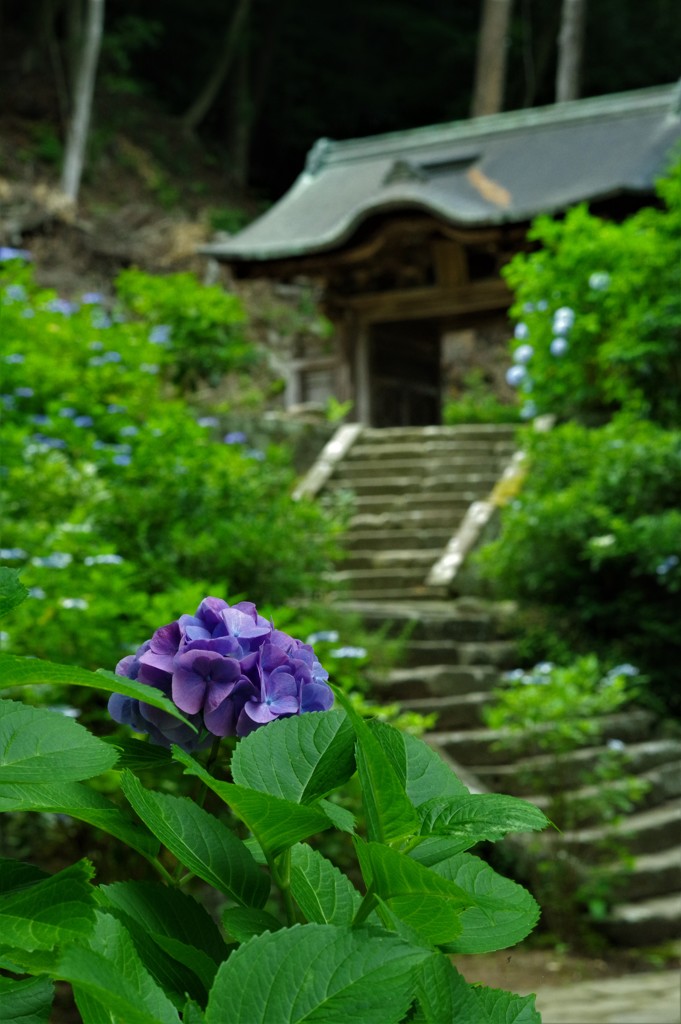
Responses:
[104,463]
[289,938]
[598,311]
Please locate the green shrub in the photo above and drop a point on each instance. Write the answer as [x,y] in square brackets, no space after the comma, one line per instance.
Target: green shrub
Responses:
[200,328]
[599,314]
[119,497]
[477,404]
[595,537]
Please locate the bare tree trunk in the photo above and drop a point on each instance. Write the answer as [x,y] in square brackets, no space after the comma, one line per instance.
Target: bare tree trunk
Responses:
[240,123]
[490,67]
[204,101]
[570,50]
[74,156]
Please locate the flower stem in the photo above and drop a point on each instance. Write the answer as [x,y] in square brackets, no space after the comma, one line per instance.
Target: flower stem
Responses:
[281,873]
[365,908]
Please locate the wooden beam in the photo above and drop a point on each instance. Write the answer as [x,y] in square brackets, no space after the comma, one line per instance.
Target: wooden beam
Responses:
[422,303]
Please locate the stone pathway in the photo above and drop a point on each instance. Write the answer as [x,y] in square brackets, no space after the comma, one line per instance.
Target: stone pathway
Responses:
[653,998]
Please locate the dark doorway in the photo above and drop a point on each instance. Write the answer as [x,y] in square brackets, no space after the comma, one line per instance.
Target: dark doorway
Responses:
[404,373]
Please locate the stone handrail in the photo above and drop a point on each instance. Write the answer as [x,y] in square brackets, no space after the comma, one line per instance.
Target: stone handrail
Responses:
[333,451]
[443,572]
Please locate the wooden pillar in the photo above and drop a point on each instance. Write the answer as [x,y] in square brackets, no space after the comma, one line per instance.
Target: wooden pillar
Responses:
[362,375]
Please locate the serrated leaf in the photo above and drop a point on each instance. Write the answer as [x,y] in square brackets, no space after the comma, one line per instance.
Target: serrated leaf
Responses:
[302,758]
[427,773]
[38,745]
[57,910]
[340,817]
[445,996]
[22,671]
[420,769]
[12,590]
[276,824]
[179,925]
[26,1002]
[331,974]
[483,816]
[199,841]
[80,802]
[431,906]
[242,923]
[110,971]
[504,912]
[390,814]
[323,893]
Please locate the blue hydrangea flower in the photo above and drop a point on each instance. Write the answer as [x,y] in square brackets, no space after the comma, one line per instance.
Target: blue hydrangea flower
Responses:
[523,354]
[558,347]
[515,375]
[8,253]
[228,669]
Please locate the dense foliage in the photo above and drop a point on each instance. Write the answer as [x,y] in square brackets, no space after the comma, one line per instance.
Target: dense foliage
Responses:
[147,950]
[122,502]
[591,543]
[598,306]
[594,538]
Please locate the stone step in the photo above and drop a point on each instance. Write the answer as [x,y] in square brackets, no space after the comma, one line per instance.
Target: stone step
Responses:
[418,467]
[645,922]
[395,580]
[555,775]
[480,747]
[485,432]
[656,829]
[434,448]
[451,500]
[430,620]
[407,558]
[434,681]
[398,519]
[586,802]
[379,540]
[463,711]
[437,484]
[651,875]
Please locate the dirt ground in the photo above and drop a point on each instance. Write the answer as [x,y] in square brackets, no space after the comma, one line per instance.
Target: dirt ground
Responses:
[524,969]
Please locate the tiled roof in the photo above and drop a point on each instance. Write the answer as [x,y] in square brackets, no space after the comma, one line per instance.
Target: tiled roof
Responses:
[504,168]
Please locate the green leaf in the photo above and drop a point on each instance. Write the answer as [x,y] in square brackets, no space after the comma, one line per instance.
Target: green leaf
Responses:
[110,971]
[483,816]
[139,754]
[20,671]
[431,906]
[427,773]
[340,817]
[57,910]
[445,996]
[322,892]
[389,812]
[83,803]
[301,758]
[12,590]
[318,974]
[277,824]
[179,925]
[199,841]
[242,923]
[38,745]
[193,1014]
[26,1002]
[14,875]
[504,913]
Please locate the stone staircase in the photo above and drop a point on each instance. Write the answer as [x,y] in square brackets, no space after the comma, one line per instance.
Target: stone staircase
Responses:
[413,489]
[410,489]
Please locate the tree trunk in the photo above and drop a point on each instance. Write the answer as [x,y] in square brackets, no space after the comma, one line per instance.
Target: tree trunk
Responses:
[74,155]
[204,101]
[490,67]
[570,50]
[240,123]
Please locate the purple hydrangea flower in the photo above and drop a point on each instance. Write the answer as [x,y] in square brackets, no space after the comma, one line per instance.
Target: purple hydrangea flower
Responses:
[225,667]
